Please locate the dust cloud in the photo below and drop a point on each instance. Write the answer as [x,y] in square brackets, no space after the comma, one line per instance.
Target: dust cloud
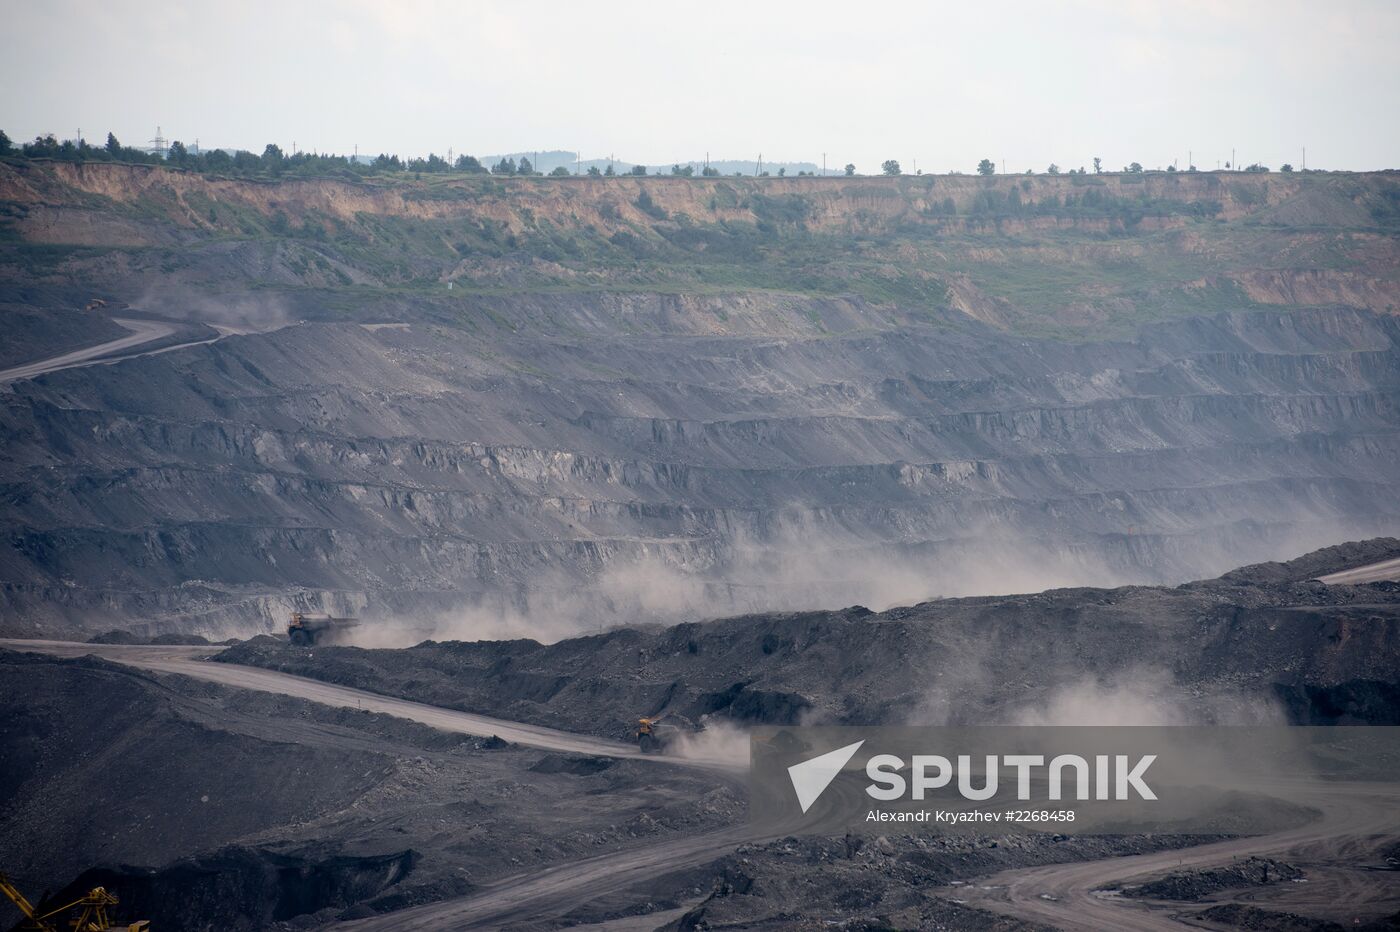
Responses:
[1144,696]
[805,561]
[792,572]
[720,742]
[244,313]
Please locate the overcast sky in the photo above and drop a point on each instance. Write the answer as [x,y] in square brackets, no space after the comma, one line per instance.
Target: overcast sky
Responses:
[941,84]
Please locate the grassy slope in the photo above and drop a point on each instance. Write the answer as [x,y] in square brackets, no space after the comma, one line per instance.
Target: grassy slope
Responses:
[1067,256]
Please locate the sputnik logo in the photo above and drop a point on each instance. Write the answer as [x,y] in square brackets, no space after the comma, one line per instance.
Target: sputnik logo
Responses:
[811,777]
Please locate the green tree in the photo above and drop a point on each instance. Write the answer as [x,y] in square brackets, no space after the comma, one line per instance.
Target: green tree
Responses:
[709,172]
[1134,169]
[433,164]
[1053,169]
[638,170]
[986,167]
[114,148]
[609,171]
[469,163]
[504,167]
[525,167]
[684,172]
[593,170]
[177,154]
[850,169]
[43,147]
[560,172]
[1284,167]
[781,172]
[1257,168]
[1098,165]
[889,167]
[5,145]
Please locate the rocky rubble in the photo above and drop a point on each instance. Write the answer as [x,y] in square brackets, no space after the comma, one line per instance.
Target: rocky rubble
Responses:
[1198,884]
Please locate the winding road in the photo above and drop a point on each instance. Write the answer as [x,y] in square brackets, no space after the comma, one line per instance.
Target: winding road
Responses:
[547,892]
[1068,896]
[1073,896]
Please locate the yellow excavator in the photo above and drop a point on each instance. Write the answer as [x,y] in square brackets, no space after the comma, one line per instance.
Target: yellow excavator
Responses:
[93,917]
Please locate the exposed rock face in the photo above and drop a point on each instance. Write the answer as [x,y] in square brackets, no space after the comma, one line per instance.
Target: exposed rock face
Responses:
[409,470]
[723,396]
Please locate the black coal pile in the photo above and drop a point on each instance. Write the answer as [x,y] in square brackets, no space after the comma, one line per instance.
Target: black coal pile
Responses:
[1265,643]
[1197,884]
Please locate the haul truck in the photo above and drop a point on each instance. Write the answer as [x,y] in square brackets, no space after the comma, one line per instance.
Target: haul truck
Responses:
[306,629]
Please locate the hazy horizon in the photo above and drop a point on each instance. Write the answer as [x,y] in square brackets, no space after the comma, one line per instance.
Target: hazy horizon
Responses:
[935,88]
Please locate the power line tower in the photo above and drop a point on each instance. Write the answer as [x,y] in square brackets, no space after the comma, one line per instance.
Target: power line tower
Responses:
[159,146]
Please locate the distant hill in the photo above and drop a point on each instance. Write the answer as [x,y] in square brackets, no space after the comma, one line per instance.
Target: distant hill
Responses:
[547,161]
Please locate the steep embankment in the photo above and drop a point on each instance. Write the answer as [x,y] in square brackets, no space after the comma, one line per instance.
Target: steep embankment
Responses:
[1034,253]
[1261,644]
[643,397]
[408,470]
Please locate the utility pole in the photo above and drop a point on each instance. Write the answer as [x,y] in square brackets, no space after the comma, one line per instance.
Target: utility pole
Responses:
[1305,158]
[823,164]
[1234,162]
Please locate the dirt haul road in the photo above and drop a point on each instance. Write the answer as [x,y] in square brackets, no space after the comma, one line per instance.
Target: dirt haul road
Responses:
[1063,895]
[1386,570]
[143,332]
[548,892]
[1075,896]
[186,661]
